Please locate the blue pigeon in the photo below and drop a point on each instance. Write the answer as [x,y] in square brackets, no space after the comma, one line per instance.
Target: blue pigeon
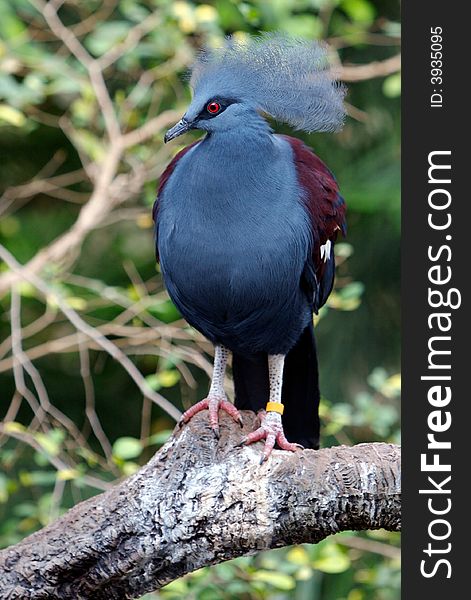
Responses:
[245,224]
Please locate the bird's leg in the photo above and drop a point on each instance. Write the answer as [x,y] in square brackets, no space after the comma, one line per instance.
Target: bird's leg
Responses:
[271,428]
[216,398]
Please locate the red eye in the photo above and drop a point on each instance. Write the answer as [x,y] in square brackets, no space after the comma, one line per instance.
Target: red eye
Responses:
[213,108]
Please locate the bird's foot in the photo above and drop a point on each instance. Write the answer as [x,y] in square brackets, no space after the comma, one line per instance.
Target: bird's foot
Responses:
[214,404]
[270,430]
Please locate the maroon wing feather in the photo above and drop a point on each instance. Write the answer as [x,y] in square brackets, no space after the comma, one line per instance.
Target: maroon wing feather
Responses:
[163,180]
[324,204]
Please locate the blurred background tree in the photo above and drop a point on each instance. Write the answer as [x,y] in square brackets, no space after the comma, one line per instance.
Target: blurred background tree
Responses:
[95,361]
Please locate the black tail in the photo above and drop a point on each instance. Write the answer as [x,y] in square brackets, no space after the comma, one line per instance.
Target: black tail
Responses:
[300,393]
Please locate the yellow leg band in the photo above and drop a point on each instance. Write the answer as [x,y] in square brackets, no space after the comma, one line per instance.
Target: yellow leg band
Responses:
[275,407]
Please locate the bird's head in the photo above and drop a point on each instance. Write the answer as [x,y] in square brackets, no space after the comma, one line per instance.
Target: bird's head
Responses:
[213,113]
[286,78]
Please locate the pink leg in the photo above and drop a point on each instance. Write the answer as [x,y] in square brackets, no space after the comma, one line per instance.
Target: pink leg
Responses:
[271,427]
[216,399]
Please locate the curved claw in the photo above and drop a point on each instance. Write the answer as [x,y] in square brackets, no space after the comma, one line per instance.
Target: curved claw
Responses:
[269,445]
[285,445]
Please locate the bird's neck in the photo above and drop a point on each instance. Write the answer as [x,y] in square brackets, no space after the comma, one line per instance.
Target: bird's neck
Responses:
[254,136]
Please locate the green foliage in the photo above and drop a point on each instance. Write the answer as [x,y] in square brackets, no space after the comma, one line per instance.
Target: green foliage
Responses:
[90,425]
[332,569]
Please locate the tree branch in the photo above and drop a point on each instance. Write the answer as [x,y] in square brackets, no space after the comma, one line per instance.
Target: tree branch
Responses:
[370,70]
[103,342]
[199,502]
[96,209]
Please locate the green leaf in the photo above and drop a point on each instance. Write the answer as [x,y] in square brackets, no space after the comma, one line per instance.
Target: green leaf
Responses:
[11,116]
[25,509]
[230,16]
[331,559]
[67,474]
[159,438]
[282,581]
[62,85]
[106,36]
[40,478]
[307,26]
[50,442]
[377,377]
[126,448]
[343,250]
[205,13]
[298,556]
[348,297]
[129,468]
[392,86]
[11,27]
[133,10]
[14,427]
[153,382]
[360,11]
[176,589]
[90,144]
[166,378]
[165,311]
[352,290]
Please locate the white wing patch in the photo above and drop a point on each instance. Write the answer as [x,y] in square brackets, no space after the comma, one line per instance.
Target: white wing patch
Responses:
[325,250]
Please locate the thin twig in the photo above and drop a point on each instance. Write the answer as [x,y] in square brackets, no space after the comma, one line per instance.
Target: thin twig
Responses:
[360,543]
[371,70]
[55,461]
[91,332]
[90,403]
[133,37]
[67,36]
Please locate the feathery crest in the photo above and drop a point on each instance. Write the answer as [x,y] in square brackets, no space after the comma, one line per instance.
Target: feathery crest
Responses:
[286,77]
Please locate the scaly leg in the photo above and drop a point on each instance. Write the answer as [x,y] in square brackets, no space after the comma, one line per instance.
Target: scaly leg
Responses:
[216,398]
[271,427]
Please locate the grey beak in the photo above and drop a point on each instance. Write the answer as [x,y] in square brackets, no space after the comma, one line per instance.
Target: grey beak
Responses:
[181,127]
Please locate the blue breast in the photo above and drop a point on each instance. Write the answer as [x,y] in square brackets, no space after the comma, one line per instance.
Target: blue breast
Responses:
[233,240]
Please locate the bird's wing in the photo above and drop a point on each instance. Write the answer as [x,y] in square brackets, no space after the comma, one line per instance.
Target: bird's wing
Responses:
[326,209]
[163,180]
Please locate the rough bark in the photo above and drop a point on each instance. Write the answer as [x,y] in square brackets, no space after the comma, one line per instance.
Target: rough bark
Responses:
[198,502]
